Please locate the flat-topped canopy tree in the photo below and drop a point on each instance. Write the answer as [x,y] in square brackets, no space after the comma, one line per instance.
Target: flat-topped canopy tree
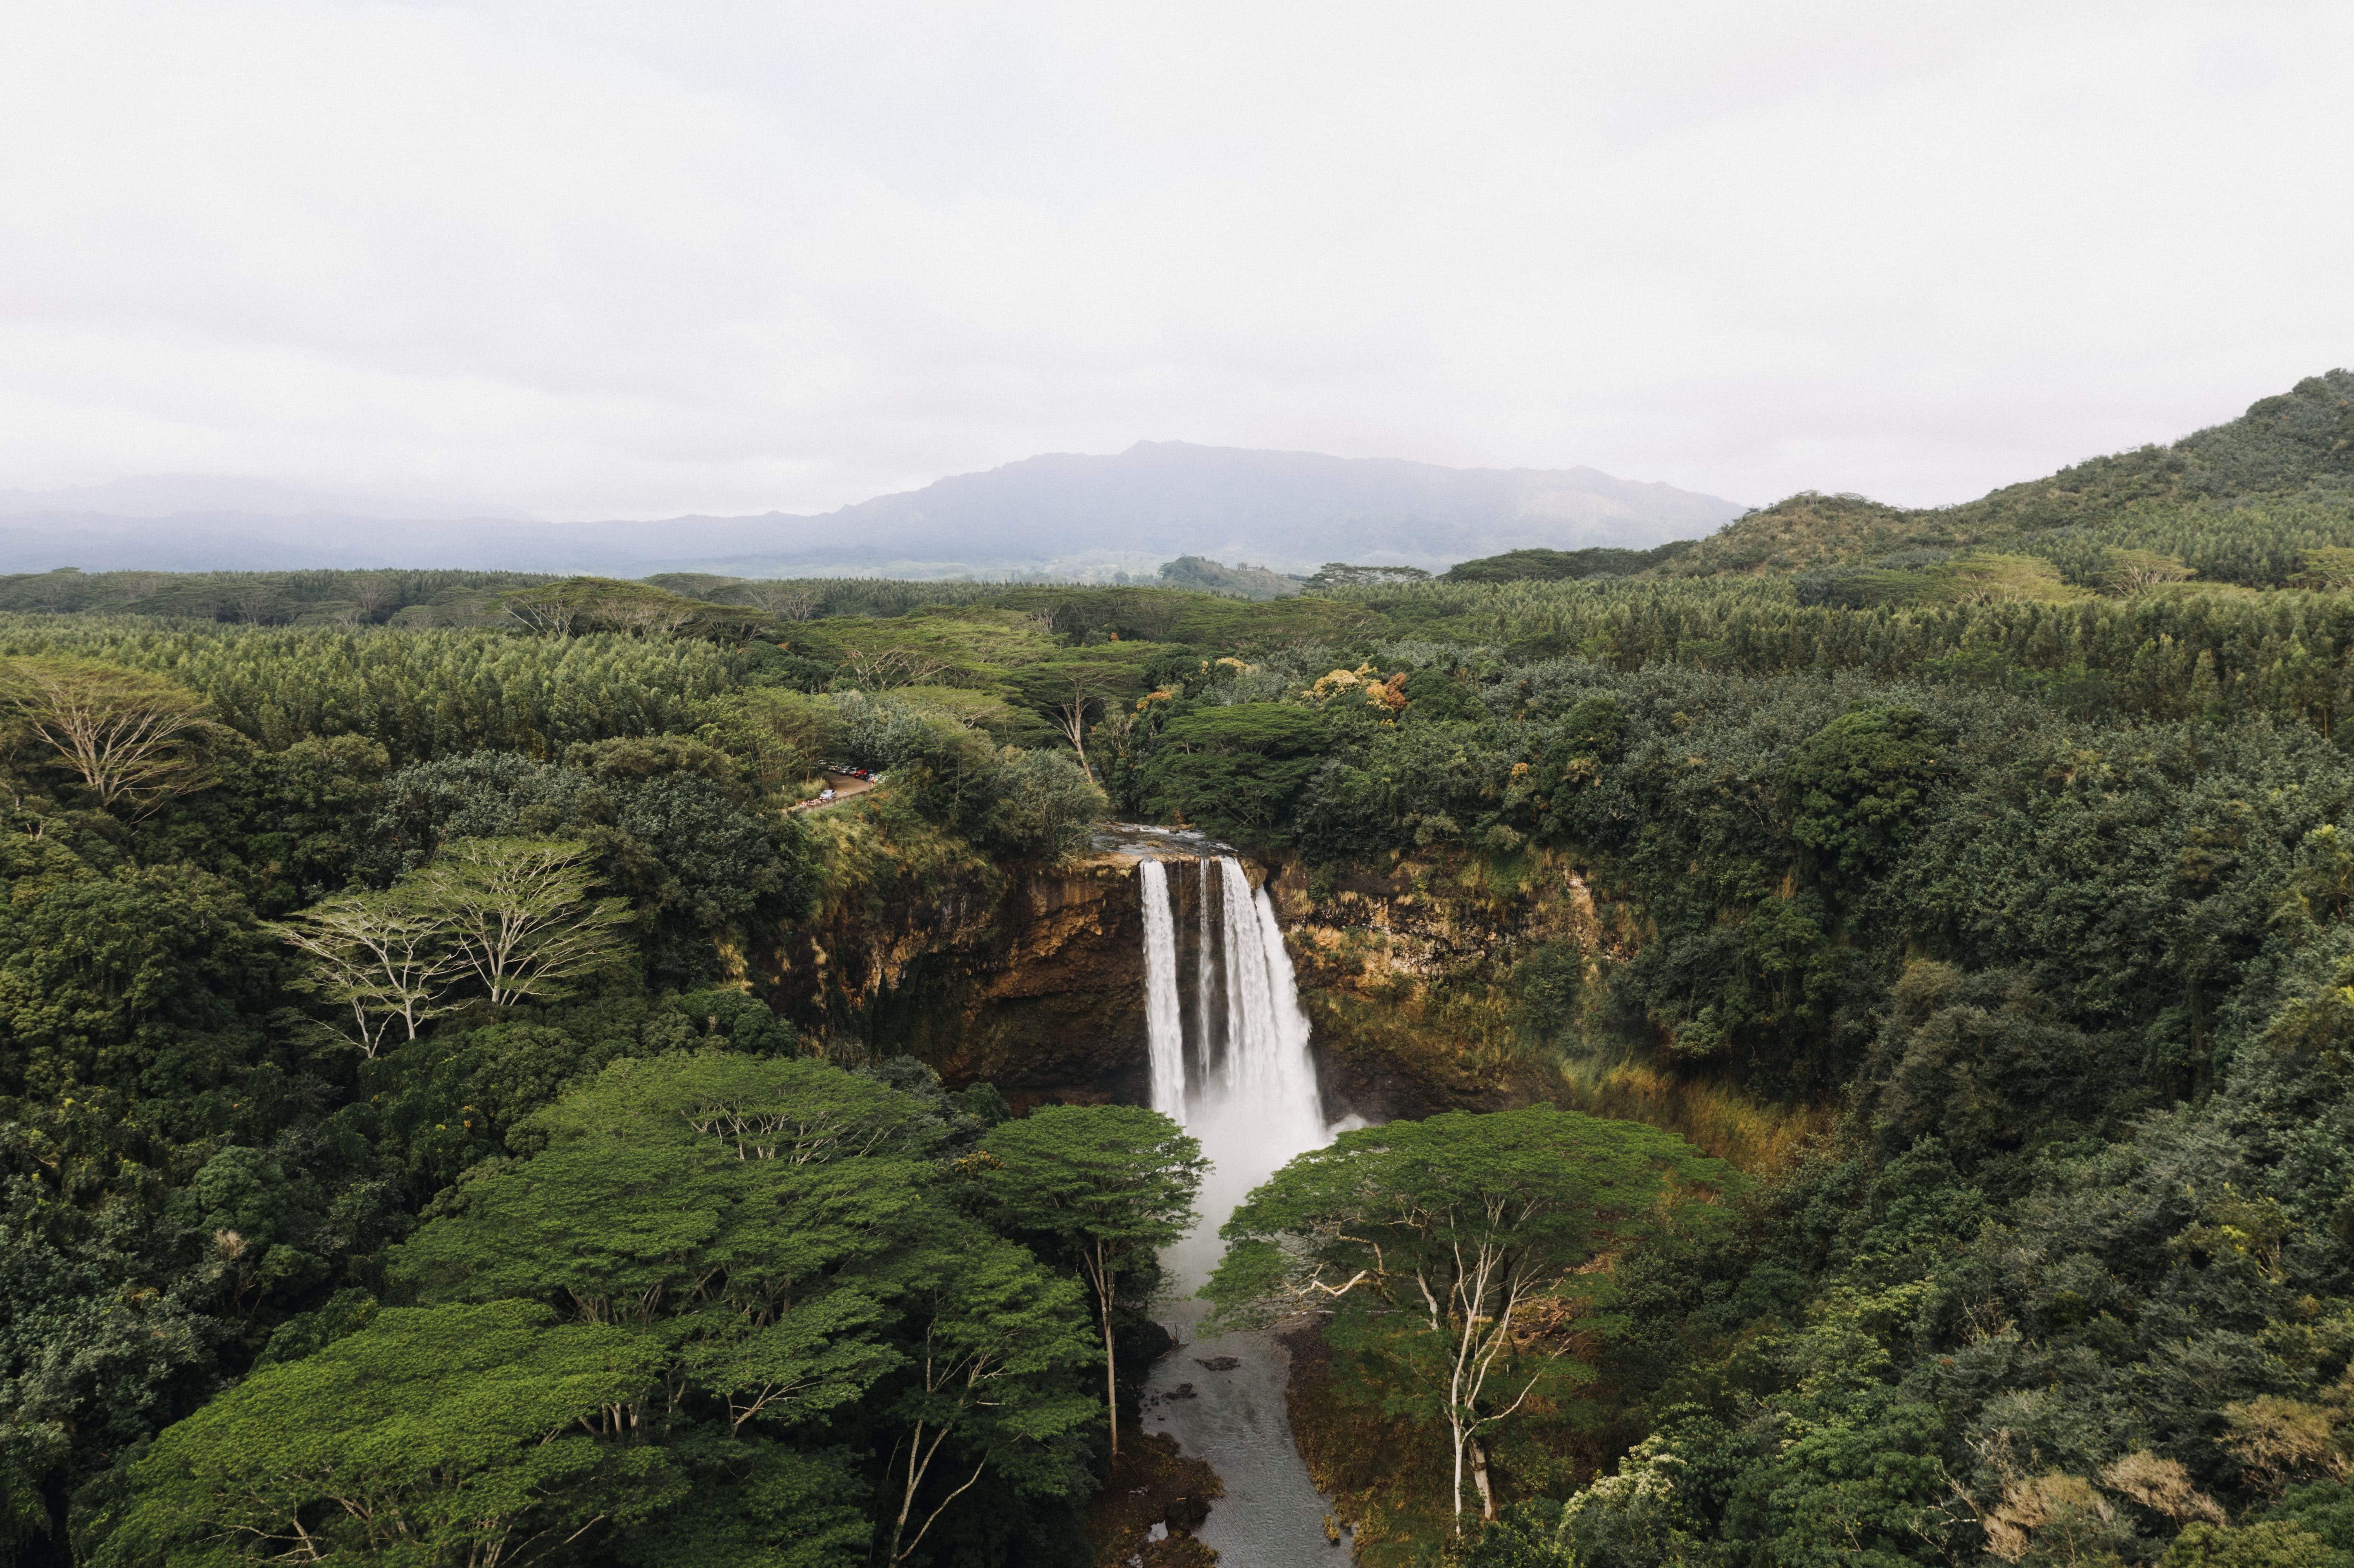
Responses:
[513,916]
[1237,769]
[772,1225]
[754,1213]
[450,1434]
[1460,1253]
[1072,692]
[576,606]
[518,913]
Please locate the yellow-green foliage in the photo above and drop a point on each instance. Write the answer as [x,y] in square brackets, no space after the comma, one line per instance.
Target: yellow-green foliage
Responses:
[420,693]
[1815,530]
[985,711]
[1275,624]
[2129,571]
[2179,653]
[2330,567]
[2297,448]
[412,599]
[1993,578]
[573,606]
[878,847]
[965,646]
[786,736]
[1757,1140]
[962,660]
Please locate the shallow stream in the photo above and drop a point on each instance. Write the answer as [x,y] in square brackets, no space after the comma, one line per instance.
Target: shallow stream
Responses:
[1272,1515]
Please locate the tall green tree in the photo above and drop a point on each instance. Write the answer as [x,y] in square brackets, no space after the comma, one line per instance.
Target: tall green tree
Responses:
[753,1215]
[1107,1183]
[991,1337]
[1070,693]
[1456,1251]
[1236,769]
[1856,785]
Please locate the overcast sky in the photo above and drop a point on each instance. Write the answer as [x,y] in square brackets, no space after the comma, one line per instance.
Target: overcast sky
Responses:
[591,259]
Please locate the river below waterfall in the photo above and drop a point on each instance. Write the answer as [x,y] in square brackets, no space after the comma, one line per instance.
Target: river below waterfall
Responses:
[1236,1419]
[1231,1063]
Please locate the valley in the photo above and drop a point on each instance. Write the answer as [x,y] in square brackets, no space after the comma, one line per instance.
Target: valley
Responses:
[1827,1044]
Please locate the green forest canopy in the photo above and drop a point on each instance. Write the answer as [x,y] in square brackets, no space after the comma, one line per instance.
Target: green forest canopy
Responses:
[2008,841]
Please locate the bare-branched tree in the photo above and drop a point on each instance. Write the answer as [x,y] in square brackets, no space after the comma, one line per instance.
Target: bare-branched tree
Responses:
[385,956]
[135,740]
[879,670]
[2129,572]
[547,611]
[1071,694]
[785,600]
[518,915]
[374,594]
[253,600]
[643,615]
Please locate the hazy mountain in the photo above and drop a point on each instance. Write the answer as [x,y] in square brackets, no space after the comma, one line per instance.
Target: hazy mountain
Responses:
[1082,515]
[1285,509]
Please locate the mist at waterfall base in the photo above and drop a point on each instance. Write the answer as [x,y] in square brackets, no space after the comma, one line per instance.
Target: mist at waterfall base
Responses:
[1242,1082]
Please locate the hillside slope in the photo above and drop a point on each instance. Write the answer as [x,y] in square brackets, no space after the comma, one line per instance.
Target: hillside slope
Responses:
[2297,445]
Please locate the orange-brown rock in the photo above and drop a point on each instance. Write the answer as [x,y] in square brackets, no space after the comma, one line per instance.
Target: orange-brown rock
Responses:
[1405,972]
[1028,977]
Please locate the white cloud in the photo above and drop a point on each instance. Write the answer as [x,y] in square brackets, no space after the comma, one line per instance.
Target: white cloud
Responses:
[593,258]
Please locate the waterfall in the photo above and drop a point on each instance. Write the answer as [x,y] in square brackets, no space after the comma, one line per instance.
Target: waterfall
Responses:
[1269,1071]
[1161,1023]
[1242,1082]
[1248,1092]
[1201,967]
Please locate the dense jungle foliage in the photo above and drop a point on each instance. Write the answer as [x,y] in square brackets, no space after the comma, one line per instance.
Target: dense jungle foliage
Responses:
[404,1163]
[400,1168]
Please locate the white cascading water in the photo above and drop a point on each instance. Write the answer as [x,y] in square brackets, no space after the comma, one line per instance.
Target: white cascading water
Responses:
[1251,1097]
[1253,1105]
[1162,1022]
[1202,968]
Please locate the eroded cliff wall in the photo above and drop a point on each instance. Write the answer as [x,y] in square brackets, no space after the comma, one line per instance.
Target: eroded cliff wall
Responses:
[1028,977]
[1032,977]
[1408,973]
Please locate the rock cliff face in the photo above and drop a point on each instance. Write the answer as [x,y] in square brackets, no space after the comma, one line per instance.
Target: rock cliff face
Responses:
[1031,980]
[1407,974]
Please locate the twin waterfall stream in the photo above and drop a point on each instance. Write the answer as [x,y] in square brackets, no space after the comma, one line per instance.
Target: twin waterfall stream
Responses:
[1230,1063]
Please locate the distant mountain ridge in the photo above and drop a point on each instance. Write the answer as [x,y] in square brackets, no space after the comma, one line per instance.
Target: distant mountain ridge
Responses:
[1288,509]
[1082,515]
